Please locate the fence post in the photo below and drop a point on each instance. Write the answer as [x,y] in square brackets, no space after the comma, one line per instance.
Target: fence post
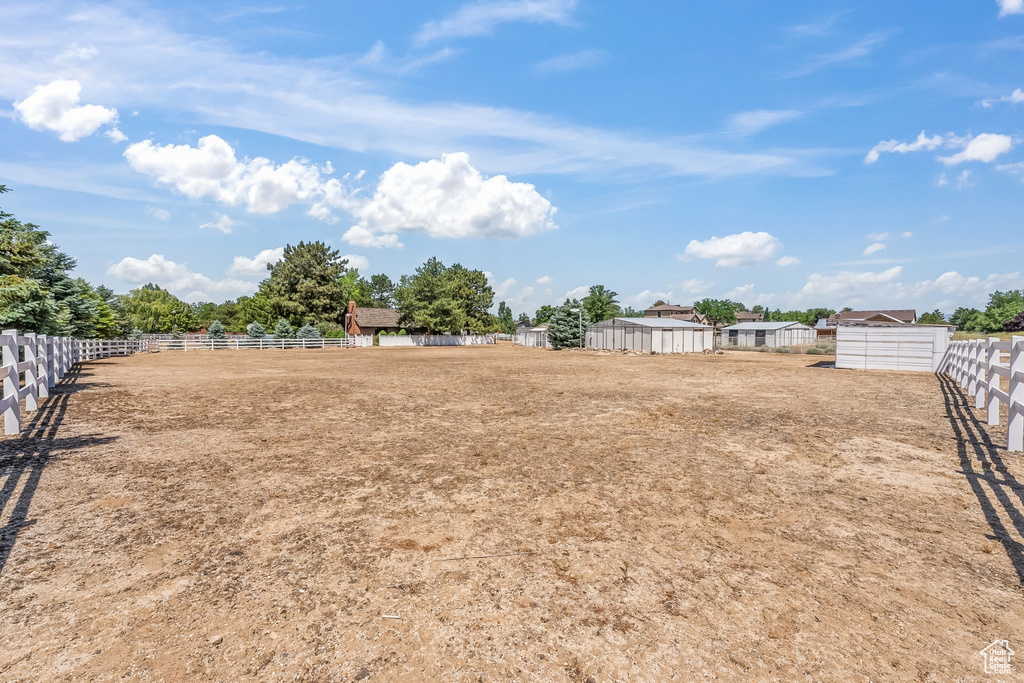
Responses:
[972,367]
[994,356]
[12,416]
[43,365]
[1015,428]
[31,373]
[979,374]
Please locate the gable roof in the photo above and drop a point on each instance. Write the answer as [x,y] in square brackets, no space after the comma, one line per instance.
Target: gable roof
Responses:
[377,317]
[901,315]
[767,326]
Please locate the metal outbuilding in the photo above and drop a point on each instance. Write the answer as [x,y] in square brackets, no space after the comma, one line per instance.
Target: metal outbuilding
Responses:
[871,346]
[772,334]
[653,335]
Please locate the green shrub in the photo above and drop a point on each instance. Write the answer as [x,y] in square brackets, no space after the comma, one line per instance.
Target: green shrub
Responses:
[307,331]
[216,330]
[783,349]
[257,331]
[402,332]
[283,329]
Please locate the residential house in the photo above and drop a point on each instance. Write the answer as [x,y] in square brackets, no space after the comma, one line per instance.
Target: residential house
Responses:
[688,313]
[373,321]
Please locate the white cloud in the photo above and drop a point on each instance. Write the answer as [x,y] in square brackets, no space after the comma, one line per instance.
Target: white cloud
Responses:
[480,18]
[175,277]
[115,134]
[695,286]
[787,261]
[544,279]
[646,298]
[360,263]
[223,223]
[861,48]
[159,214]
[578,293]
[984,148]
[872,248]
[148,62]
[1010,7]
[210,169]
[734,251]
[963,180]
[848,286]
[449,198]
[910,234]
[745,294]
[257,265]
[55,107]
[960,290]
[584,59]
[750,122]
[1016,97]
[879,236]
[922,142]
[500,288]
[943,180]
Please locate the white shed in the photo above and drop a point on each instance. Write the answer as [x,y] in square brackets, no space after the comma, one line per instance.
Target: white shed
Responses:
[891,347]
[654,335]
[772,334]
[533,336]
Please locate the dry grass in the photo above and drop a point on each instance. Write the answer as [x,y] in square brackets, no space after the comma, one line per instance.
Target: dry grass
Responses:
[262,516]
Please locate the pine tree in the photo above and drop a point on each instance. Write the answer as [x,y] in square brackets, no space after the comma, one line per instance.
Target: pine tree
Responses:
[216,330]
[257,331]
[307,331]
[565,326]
[284,330]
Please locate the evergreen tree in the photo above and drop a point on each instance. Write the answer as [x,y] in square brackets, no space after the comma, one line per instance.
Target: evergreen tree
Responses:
[308,331]
[382,291]
[310,282]
[283,330]
[216,330]
[566,326]
[444,299]
[506,322]
[257,331]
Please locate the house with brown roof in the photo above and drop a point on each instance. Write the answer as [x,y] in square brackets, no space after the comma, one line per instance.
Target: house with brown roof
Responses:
[687,313]
[373,321]
[904,316]
[748,317]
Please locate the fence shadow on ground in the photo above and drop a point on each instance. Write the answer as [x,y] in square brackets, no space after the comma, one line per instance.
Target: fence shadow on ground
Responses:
[981,462]
[23,458]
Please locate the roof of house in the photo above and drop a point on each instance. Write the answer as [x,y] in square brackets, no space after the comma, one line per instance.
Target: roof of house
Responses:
[903,316]
[651,322]
[377,317]
[747,315]
[671,307]
[767,326]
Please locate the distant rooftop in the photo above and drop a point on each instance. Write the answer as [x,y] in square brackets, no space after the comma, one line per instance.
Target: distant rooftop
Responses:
[766,326]
[651,322]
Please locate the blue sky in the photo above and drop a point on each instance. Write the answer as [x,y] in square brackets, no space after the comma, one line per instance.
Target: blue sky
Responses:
[810,154]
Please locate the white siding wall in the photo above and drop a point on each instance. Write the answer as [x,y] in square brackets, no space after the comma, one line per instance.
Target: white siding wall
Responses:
[648,339]
[907,347]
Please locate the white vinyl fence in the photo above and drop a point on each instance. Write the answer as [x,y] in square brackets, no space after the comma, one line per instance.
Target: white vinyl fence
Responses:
[46,359]
[436,340]
[239,343]
[978,366]
[92,349]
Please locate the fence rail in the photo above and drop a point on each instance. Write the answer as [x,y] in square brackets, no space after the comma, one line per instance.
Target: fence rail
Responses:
[186,344]
[978,366]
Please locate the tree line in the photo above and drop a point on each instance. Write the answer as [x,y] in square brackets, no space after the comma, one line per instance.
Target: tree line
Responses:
[307,291]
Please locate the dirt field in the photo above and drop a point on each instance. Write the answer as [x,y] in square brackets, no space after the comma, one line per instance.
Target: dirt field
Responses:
[319,515]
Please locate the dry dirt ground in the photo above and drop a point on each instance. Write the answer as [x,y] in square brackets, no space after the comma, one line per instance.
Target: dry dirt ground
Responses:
[320,516]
